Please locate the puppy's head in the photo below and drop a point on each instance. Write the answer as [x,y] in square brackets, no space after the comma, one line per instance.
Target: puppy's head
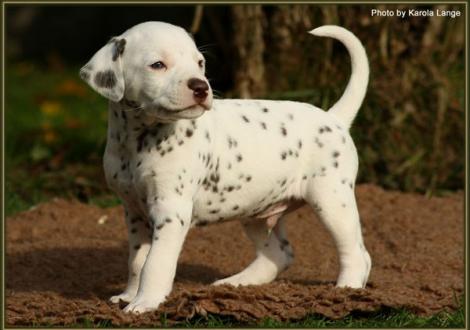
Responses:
[155,65]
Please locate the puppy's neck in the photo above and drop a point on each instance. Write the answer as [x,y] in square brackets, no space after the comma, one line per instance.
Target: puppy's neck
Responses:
[130,117]
[127,124]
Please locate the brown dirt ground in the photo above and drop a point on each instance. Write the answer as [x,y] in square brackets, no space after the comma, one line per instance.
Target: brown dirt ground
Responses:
[62,264]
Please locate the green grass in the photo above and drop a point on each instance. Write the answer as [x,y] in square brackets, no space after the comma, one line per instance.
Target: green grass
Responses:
[385,318]
[55,130]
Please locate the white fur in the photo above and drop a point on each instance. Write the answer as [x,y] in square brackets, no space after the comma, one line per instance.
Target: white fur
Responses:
[246,159]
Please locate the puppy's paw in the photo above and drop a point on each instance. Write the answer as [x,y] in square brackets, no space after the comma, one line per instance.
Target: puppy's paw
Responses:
[356,272]
[125,296]
[142,305]
[227,280]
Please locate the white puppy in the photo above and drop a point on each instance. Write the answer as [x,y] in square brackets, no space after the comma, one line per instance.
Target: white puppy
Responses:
[175,165]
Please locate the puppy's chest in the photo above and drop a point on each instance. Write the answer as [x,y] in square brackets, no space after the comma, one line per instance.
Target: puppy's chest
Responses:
[135,153]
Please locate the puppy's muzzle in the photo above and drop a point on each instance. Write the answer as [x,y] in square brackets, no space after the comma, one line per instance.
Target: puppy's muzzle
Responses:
[199,88]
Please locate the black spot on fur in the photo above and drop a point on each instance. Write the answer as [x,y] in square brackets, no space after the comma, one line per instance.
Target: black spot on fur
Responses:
[263,125]
[239,158]
[168,220]
[214,177]
[236,207]
[140,140]
[335,154]
[265,110]
[248,178]
[335,164]
[105,79]
[283,131]
[160,226]
[283,155]
[214,211]
[290,116]
[119,46]
[283,243]
[189,132]
[136,247]
[245,119]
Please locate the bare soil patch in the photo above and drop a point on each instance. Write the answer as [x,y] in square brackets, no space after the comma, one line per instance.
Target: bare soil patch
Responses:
[63,263]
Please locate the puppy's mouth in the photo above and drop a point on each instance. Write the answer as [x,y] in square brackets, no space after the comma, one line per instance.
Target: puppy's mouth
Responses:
[196,106]
[190,112]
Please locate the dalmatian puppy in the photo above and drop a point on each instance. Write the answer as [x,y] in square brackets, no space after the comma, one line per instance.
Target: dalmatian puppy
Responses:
[178,158]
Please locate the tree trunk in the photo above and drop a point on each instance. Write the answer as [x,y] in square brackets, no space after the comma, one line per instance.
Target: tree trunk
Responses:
[248,21]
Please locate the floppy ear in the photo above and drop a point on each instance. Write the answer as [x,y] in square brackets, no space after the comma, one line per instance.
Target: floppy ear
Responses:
[104,71]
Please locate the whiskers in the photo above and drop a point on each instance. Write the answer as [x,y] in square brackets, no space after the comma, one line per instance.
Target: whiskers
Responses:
[217,94]
[204,49]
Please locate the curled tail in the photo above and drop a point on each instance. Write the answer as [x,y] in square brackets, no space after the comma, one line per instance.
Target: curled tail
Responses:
[347,106]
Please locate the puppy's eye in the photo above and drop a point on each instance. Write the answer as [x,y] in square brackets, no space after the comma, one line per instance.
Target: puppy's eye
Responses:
[158,65]
[201,63]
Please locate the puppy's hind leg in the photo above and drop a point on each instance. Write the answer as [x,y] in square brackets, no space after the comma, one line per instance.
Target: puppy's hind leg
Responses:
[139,244]
[273,254]
[333,199]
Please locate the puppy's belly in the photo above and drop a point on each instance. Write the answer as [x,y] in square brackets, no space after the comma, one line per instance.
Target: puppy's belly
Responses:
[228,201]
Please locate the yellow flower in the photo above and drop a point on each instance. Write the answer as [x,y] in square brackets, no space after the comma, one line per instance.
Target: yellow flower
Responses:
[50,108]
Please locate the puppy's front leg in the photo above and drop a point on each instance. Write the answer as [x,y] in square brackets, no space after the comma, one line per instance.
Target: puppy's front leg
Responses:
[171,220]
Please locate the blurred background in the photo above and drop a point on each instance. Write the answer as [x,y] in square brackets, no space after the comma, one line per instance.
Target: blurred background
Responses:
[410,132]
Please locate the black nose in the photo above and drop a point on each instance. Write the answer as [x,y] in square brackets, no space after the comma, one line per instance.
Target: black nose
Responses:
[199,88]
